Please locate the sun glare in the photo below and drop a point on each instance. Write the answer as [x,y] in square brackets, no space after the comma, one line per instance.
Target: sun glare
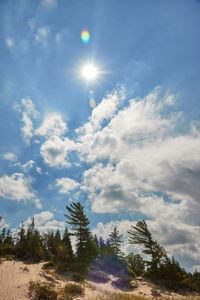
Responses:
[89,72]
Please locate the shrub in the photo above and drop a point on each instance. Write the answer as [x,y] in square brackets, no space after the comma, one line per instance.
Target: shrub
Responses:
[42,291]
[73,290]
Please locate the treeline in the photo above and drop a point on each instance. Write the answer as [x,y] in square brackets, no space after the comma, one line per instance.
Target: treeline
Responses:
[94,257]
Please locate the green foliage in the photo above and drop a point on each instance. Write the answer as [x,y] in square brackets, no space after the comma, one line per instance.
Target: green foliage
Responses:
[140,235]
[42,291]
[86,248]
[115,242]
[135,263]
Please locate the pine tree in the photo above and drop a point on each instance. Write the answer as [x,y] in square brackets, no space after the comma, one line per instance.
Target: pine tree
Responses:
[79,224]
[67,244]
[135,264]
[115,242]
[140,235]
[86,248]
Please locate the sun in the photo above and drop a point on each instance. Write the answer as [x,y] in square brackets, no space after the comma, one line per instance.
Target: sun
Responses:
[89,72]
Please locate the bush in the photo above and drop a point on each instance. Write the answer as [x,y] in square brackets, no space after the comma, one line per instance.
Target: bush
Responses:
[73,290]
[42,291]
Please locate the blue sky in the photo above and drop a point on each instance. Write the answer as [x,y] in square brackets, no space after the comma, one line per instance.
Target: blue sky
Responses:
[135,155]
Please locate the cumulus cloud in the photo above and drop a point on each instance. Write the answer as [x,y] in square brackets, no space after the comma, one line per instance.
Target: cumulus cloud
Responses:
[143,163]
[177,238]
[104,111]
[45,221]
[53,125]
[16,187]
[10,156]
[55,151]
[66,185]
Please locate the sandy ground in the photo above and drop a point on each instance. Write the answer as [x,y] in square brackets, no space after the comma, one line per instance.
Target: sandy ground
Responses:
[16,275]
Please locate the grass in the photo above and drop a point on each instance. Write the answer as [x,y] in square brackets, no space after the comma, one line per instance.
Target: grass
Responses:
[42,291]
[123,296]
[46,291]
[72,290]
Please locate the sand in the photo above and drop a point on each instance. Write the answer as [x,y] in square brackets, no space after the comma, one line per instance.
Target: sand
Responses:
[16,275]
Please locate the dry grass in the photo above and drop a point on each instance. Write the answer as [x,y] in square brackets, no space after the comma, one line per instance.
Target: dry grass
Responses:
[123,296]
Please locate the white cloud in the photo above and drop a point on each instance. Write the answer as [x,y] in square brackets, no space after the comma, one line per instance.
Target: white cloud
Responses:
[104,111]
[29,108]
[53,125]
[28,111]
[3,223]
[28,166]
[38,204]
[27,129]
[66,185]
[49,3]
[39,170]
[45,221]
[31,23]
[143,163]
[10,156]
[55,151]
[16,187]
[42,35]
[9,42]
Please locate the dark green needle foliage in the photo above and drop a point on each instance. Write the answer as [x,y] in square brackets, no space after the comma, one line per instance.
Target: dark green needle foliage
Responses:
[86,248]
[140,235]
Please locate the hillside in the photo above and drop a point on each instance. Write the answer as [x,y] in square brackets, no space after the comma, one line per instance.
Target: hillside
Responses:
[15,277]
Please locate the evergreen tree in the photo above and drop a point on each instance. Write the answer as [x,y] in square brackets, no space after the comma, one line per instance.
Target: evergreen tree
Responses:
[79,224]
[86,249]
[21,245]
[140,235]
[115,242]
[135,264]
[66,242]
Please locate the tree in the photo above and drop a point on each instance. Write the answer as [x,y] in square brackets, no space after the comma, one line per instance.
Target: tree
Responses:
[66,242]
[140,235]
[135,264]
[86,249]
[115,242]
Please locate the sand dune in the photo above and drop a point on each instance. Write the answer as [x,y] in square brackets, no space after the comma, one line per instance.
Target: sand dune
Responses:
[16,275]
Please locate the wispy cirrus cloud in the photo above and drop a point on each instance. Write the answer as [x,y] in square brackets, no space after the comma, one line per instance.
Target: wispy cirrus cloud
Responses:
[10,43]
[49,3]
[28,113]
[42,35]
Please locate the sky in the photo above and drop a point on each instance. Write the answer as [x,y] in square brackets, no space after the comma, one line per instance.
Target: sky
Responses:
[131,154]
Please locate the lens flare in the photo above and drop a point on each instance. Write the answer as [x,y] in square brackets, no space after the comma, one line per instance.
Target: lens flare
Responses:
[85,36]
[92,103]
